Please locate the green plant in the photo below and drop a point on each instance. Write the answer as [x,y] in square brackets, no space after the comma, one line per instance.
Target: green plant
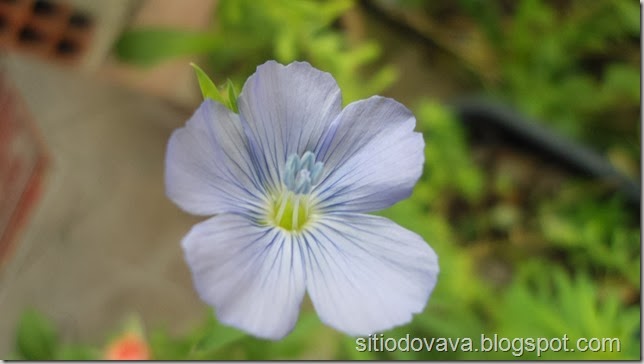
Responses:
[580,276]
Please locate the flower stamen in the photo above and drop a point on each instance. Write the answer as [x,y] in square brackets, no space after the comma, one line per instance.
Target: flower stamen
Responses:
[296,213]
[290,211]
[293,207]
[302,174]
[282,207]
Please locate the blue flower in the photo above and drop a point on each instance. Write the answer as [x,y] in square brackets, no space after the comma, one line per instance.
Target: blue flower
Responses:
[288,181]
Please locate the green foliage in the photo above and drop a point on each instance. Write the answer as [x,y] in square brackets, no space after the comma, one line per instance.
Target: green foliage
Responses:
[149,46]
[552,304]
[287,31]
[579,273]
[214,341]
[596,234]
[226,95]
[231,93]
[36,338]
[248,32]
[208,88]
[573,71]
[211,339]
[446,146]
[296,344]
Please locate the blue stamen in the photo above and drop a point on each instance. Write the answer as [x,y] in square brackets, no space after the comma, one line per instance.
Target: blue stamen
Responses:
[293,162]
[289,179]
[307,161]
[302,174]
[303,182]
[316,173]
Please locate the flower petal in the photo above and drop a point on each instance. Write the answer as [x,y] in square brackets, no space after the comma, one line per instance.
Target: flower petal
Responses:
[208,167]
[366,274]
[372,157]
[252,275]
[286,110]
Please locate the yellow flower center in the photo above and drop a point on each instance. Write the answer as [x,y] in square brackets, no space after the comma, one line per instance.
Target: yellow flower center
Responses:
[290,211]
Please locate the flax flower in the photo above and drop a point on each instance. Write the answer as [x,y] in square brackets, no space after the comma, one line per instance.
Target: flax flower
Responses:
[288,181]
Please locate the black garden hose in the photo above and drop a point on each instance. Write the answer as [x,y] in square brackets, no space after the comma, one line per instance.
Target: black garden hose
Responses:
[482,117]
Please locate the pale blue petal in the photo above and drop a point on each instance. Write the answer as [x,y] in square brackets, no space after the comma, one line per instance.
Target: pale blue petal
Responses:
[253,276]
[208,169]
[365,274]
[285,110]
[372,157]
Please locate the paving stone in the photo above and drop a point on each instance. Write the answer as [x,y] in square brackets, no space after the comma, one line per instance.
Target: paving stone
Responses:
[103,241]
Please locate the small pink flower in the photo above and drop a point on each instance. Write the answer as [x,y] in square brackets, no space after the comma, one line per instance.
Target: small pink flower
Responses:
[129,346]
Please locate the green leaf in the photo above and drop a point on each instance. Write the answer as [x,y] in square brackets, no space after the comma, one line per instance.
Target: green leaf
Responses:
[217,336]
[166,347]
[149,46]
[559,303]
[36,338]
[226,94]
[332,10]
[77,352]
[232,96]
[447,147]
[286,47]
[208,88]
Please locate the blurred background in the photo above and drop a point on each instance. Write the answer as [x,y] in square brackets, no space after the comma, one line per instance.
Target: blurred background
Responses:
[530,193]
